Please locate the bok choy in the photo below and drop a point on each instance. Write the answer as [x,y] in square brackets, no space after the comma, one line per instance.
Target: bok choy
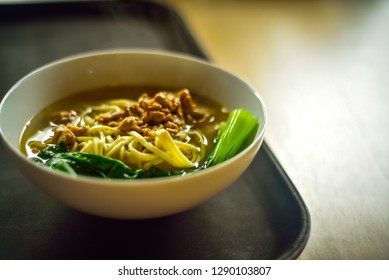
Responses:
[235,135]
[59,158]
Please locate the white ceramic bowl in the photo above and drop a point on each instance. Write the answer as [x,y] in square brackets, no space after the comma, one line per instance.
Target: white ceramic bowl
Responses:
[128,199]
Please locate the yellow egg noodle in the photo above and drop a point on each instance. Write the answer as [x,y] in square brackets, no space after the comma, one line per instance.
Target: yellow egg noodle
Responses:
[131,147]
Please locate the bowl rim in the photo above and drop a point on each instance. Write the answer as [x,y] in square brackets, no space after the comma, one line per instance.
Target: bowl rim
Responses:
[144,182]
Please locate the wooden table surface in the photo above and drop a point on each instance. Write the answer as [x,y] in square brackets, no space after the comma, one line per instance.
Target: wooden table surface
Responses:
[322,68]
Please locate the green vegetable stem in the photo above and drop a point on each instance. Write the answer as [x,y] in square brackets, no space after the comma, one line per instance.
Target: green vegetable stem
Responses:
[235,135]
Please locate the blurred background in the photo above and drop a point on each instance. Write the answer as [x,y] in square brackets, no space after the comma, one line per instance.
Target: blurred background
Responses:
[323,70]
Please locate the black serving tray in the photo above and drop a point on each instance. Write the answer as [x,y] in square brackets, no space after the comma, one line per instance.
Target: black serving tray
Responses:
[261,216]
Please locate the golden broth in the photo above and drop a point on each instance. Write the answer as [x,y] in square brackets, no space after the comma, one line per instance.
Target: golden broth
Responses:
[39,128]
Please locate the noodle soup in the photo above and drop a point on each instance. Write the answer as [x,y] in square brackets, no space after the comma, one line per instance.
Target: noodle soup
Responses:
[143,128]
[28,108]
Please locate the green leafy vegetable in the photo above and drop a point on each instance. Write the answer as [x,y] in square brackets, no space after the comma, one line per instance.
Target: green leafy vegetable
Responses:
[236,134]
[59,158]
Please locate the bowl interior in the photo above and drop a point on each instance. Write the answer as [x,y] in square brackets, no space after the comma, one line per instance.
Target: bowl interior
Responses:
[99,69]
